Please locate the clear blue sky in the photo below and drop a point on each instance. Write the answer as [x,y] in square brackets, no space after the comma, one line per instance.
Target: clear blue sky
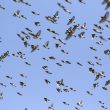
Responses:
[73,75]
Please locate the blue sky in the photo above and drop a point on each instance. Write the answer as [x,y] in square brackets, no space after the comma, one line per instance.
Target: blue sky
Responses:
[74,75]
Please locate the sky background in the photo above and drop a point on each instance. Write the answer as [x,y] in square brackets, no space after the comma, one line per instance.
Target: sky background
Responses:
[73,75]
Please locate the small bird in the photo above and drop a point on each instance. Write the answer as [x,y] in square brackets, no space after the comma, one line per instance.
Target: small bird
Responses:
[20,94]
[46,99]
[9,77]
[46,44]
[88,92]
[92,70]
[34,13]
[79,64]
[104,18]
[12,84]
[79,103]
[17,14]
[95,85]
[47,81]
[51,107]
[81,1]
[107,52]
[68,1]
[60,83]
[65,103]
[59,90]
[37,24]
[52,58]
[107,2]
[59,64]
[101,102]
[34,47]
[104,88]
[52,31]
[2,7]
[92,48]
[71,20]
[107,82]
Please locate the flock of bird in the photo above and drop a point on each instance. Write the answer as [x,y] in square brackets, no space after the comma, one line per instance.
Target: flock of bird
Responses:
[27,34]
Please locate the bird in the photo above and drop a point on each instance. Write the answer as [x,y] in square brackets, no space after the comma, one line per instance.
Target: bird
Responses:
[65,103]
[34,13]
[60,83]
[17,13]
[107,2]
[107,82]
[71,20]
[46,45]
[81,1]
[1,7]
[80,103]
[104,18]
[37,24]
[68,1]
[107,52]
[47,81]
[46,99]
[20,94]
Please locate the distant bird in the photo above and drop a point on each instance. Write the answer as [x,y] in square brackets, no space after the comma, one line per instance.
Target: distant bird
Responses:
[70,31]
[3,85]
[107,2]
[22,84]
[81,35]
[47,81]
[89,62]
[107,82]
[1,7]
[46,99]
[12,84]
[92,70]
[53,18]
[107,52]
[65,103]
[17,14]
[9,77]
[50,107]
[59,64]
[79,64]
[68,1]
[104,88]
[20,94]
[60,83]
[104,18]
[52,31]
[81,1]
[71,20]
[34,13]
[92,48]
[64,8]
[46,45]
[101,102]
[52,58]
[80,103]
[98,26]
[34,47]
[59,90]
[95,85]
[25,109]
[37,24]
[88,92]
